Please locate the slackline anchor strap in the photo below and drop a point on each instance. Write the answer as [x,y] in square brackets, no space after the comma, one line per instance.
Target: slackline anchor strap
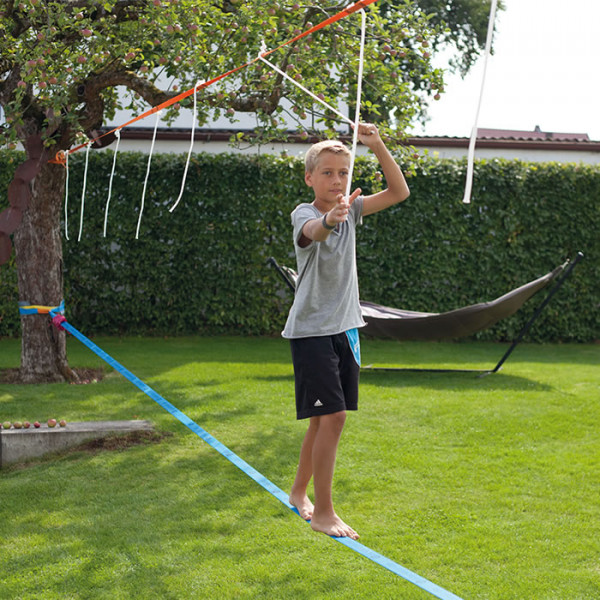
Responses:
[25,308]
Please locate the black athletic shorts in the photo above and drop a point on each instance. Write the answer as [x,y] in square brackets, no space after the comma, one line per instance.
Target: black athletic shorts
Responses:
[326,372]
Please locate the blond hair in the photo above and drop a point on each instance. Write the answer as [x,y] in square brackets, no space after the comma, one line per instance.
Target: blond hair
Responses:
[314,152]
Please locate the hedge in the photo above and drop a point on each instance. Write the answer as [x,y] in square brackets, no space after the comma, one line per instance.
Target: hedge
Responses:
[203,268]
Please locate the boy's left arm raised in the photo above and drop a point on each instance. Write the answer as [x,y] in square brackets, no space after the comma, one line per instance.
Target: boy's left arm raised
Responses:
[397,188]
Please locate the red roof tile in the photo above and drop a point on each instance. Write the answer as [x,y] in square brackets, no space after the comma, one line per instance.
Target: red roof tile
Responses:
[536,135]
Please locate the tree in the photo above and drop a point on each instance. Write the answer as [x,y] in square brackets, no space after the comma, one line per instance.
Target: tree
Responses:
[63,62]
[462,25]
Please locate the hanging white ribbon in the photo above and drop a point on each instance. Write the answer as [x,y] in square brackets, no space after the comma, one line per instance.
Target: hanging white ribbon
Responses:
[85,172]
[112,174]
[471,153]
[137,231]
[187,162]
[67,197]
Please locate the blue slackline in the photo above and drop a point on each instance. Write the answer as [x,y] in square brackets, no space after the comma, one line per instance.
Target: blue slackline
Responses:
[381,560]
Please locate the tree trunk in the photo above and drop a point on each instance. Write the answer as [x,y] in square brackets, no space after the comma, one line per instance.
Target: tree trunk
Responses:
[38,254]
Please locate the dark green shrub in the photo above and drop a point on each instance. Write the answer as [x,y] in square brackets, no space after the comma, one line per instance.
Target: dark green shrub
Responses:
[202,268]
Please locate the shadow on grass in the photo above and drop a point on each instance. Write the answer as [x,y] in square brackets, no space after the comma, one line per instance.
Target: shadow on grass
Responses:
[451,381]
[437,381]
[466,353]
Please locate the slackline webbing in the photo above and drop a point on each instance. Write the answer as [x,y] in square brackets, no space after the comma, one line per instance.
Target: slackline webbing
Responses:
[372,555]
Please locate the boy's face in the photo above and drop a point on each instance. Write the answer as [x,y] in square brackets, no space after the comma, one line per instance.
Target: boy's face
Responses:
[330,177]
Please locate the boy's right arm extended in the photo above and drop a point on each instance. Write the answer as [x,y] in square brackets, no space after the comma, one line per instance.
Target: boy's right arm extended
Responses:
[318,230]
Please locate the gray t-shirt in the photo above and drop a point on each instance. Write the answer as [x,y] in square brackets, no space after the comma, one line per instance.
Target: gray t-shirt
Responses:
[326,300]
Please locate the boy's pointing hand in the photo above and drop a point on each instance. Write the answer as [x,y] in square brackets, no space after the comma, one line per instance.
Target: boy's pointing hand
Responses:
[339,213]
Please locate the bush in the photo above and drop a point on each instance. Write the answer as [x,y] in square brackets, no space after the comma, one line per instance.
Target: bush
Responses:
[202,268]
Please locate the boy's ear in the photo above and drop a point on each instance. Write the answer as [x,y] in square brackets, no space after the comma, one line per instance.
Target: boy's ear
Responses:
[308,178]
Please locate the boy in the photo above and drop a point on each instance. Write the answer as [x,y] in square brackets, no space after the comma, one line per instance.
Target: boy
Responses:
[323,319]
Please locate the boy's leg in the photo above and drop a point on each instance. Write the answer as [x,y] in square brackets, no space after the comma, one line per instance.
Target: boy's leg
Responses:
[325,388]
[298,495]
[324,450]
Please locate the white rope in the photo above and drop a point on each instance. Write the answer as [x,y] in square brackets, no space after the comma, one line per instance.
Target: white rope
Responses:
[67,197]
[313,96]
[85,172]
[356,121]
[471,153]
[361,60]
[110,182]
[137,231]
[187,162]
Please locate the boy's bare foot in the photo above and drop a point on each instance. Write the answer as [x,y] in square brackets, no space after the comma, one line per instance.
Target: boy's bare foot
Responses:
[333,525]
[303,504]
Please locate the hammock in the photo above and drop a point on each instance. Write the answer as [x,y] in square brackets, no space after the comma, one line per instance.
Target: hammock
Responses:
[385,322]
[399,324]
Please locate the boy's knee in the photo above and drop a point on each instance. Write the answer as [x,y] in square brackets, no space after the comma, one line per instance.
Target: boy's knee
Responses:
[334,420]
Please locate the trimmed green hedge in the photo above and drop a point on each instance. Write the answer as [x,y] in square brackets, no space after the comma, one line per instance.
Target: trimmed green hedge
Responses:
[202,269]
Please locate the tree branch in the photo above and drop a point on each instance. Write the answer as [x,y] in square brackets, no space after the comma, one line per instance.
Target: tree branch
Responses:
[92,114]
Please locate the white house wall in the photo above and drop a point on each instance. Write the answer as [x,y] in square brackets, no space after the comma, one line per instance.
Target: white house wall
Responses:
[529,155]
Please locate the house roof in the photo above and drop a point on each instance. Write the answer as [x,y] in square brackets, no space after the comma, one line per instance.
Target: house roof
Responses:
[514,139]
[487,138]
[536,135]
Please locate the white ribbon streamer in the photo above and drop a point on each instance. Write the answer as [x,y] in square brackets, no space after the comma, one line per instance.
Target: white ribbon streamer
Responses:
[85,172]
[110,182]
[187,162]
[67,197]
[137,231]
[471,153]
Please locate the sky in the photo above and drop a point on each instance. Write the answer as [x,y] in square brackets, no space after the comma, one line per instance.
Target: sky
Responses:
[545,71]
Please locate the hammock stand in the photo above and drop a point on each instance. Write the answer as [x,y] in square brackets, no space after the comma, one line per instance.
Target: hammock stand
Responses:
[391,323]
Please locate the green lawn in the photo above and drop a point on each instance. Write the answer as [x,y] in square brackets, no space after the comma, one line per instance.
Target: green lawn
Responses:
[488,486]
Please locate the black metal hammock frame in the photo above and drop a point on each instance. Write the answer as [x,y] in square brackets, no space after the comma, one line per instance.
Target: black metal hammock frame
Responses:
[394,323]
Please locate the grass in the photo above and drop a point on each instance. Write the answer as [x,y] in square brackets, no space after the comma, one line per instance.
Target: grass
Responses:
[486,486]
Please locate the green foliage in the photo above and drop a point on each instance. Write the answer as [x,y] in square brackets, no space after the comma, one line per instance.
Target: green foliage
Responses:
[202,268]
[62,62]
